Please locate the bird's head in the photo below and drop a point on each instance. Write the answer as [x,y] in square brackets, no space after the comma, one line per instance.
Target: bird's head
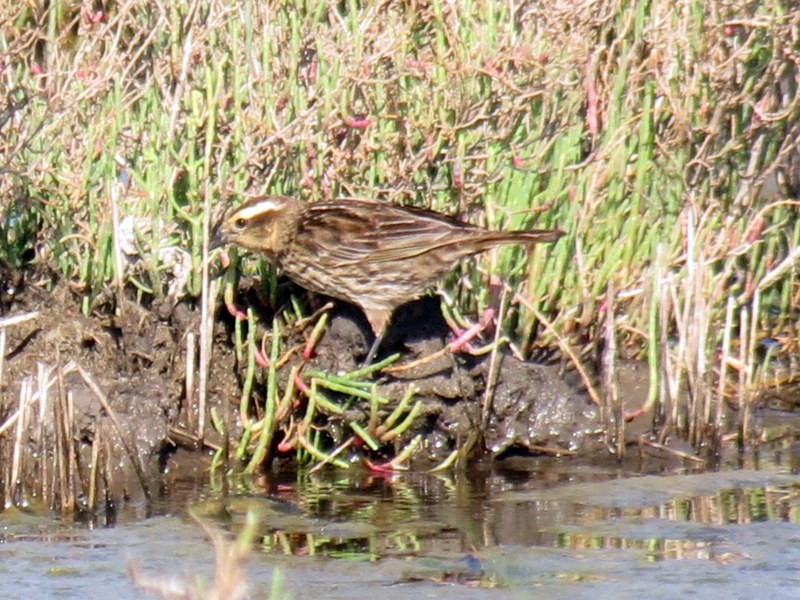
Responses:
[261,224]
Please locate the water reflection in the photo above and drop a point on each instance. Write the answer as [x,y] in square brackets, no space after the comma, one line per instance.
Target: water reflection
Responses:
[565,505]
[566,528]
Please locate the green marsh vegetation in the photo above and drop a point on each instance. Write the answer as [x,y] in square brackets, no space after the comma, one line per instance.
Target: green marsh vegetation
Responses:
[660,136]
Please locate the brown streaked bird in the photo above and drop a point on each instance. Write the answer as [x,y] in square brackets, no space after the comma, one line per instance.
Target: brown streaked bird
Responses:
[371,254]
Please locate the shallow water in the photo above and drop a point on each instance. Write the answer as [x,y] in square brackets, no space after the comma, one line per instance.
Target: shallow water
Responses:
[558,529]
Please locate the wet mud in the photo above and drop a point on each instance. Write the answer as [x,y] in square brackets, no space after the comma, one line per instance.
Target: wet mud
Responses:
[136,357]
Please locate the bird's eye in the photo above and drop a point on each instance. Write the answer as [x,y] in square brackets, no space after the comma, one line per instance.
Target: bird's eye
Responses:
[240,223]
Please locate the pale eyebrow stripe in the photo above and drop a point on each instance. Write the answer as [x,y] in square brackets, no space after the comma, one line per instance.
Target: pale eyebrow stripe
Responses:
[258,208]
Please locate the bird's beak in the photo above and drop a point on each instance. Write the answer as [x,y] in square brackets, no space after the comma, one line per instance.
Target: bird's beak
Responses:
[219,237]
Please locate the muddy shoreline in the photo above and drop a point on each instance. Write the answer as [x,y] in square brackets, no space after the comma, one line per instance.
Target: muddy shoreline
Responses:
[135,357]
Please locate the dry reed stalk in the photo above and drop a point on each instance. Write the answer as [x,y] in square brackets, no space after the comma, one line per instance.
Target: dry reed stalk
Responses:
[208,303]
[41,434]
[565,347]
[94,475]
[66,467]
[612,413]
[744,377]
[724,361]
[15,484]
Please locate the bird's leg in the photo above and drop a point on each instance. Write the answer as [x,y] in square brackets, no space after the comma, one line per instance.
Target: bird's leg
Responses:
[379,322]
[373,351]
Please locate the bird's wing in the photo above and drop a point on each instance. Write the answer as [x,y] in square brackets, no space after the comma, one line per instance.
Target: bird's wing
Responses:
[351,232]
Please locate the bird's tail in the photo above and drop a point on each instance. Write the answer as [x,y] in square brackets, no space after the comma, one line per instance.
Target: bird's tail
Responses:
[490,239]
